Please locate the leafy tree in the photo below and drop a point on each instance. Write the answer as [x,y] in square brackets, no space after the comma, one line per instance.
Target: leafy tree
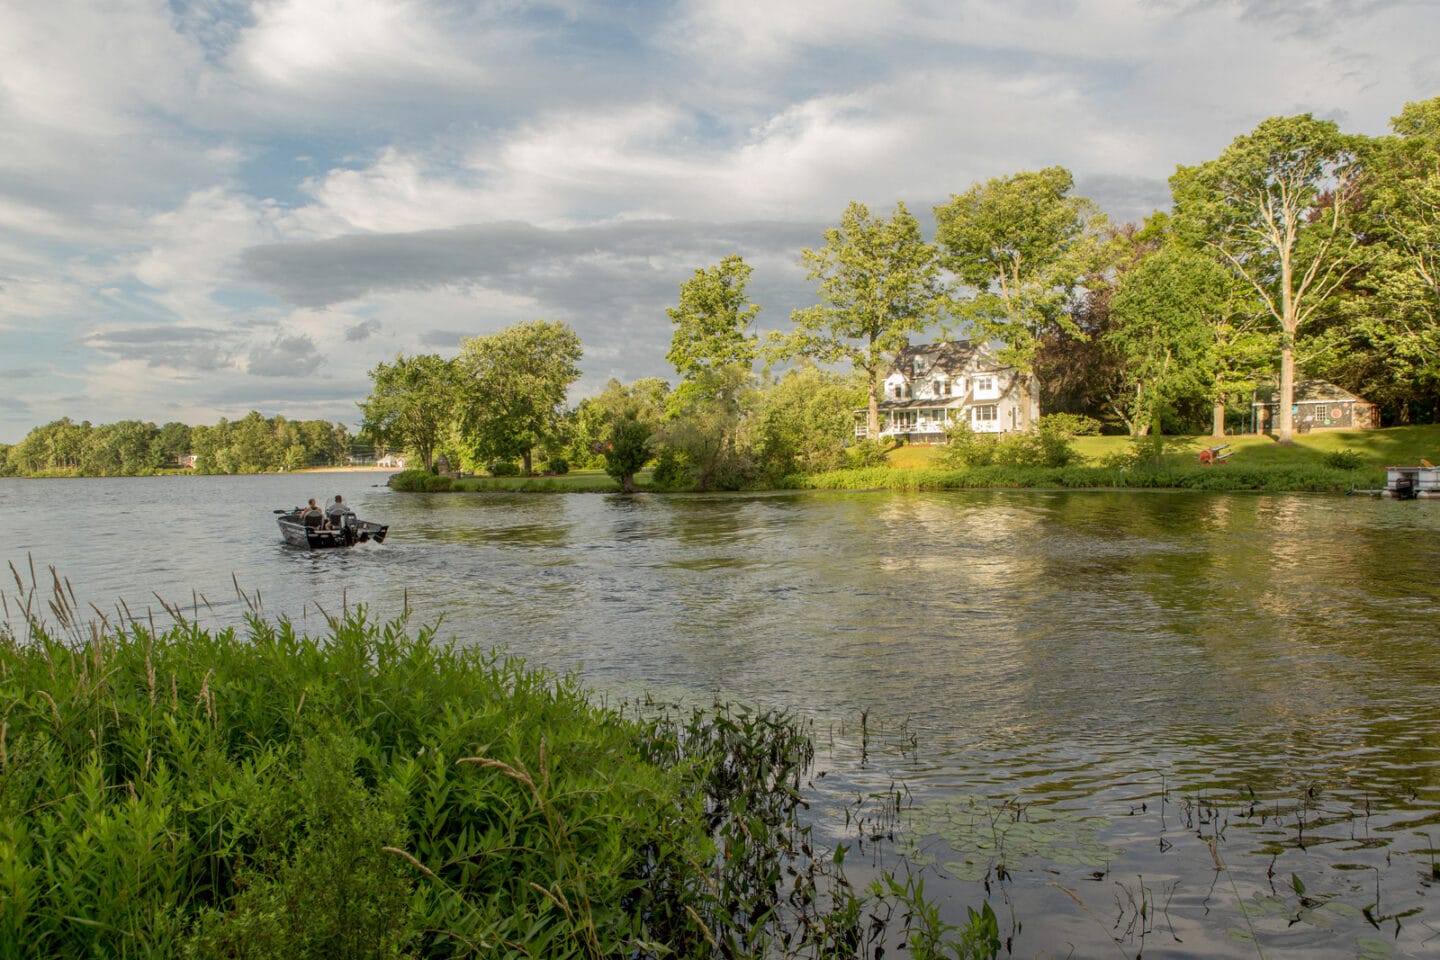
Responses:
[411,404]
[803,422]
[589,423]
[628,450]
[712,318]
[702,428]
[1382,339]
[1083,373]
[624,421]
[1276,208]
[1020,245]
[513,387]
[1182,331]
[173,442]
[879,283]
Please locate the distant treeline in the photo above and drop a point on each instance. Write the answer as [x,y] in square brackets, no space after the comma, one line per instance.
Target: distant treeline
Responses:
[131,448]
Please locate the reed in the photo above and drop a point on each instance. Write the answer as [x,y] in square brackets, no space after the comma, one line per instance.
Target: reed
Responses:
[181,792]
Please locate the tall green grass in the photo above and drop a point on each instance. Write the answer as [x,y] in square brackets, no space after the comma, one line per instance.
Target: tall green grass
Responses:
[371,792]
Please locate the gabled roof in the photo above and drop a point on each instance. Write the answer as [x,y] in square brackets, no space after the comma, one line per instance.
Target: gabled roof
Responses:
[949,358]
[1320,391]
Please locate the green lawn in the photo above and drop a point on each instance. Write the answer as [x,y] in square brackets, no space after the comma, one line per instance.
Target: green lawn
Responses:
[576,481]
[1380,448]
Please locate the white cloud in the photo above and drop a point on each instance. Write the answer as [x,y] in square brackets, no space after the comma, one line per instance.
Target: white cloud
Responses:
[418,170]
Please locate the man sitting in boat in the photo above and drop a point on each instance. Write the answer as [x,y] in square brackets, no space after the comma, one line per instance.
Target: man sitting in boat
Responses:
[311,514]
[337,512]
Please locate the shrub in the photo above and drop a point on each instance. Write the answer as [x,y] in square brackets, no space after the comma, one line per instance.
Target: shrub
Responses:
[672,470]
[420,481]
[557,465]
[503,468]
[1071,424]
[867,453]
[1344,460]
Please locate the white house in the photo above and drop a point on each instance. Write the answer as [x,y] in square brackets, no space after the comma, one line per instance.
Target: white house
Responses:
[933,385]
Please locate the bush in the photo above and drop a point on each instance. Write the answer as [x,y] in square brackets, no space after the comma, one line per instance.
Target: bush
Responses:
[1344,460]
[503,468]
[1043,446]
[420,481]
[672,470]
[556,465]
[867,453]
[1071,424]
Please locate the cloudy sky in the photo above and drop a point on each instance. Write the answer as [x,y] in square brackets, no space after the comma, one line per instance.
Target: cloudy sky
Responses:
[215,206]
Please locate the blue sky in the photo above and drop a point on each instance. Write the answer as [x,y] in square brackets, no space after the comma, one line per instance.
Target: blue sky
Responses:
[217,206]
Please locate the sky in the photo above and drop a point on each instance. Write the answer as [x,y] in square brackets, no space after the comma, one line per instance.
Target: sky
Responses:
[219,206]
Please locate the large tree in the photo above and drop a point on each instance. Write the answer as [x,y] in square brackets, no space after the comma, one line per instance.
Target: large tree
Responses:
[1384,340]
[713,319]
[879,283]
[514,387]
[1182,330]
[1018,247]
[411,404]
[1276,208]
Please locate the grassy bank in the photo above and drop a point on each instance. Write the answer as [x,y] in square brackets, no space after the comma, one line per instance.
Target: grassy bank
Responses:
[1254,463]
[373,793]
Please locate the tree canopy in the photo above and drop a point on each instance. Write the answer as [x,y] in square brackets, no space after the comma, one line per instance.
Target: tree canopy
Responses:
[1018,247]
[513,387]
[879,282]
[1276,207]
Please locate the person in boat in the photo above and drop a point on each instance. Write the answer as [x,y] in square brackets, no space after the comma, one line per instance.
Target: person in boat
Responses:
[310,510]
[336,512]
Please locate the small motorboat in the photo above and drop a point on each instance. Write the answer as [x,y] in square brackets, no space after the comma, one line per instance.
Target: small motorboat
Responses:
[318,533]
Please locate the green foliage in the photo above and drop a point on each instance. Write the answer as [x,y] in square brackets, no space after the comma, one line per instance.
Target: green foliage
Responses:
[1276,209]
[411,404]
[672,470]
[712,318]
[627,450]
[252,444]
[420,481]
[513,386]
[879,283]
[503,468]
[867,454]
[1344,460]
[931,938]
[803,421]
[376,794]
[1070,424]
[557,465]
[1018,246]
[1045,445]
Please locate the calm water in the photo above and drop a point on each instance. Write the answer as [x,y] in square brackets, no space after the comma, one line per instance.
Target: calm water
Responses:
[1088,701]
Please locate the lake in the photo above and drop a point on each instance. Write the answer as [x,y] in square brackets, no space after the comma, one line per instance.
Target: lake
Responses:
[1156,723]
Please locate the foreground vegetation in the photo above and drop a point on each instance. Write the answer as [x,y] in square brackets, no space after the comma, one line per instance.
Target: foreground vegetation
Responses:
[373,793]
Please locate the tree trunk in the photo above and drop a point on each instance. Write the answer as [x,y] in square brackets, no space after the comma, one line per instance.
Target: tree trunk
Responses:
[872,419]
[525,461]
[1284,431]
[1219,419]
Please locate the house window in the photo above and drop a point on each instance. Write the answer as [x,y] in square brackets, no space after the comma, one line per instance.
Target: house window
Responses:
[985,412]
[984,385]
[938,387]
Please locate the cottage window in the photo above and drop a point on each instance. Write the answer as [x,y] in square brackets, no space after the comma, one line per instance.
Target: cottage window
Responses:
[938,387]
[983,384]
[988,411]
